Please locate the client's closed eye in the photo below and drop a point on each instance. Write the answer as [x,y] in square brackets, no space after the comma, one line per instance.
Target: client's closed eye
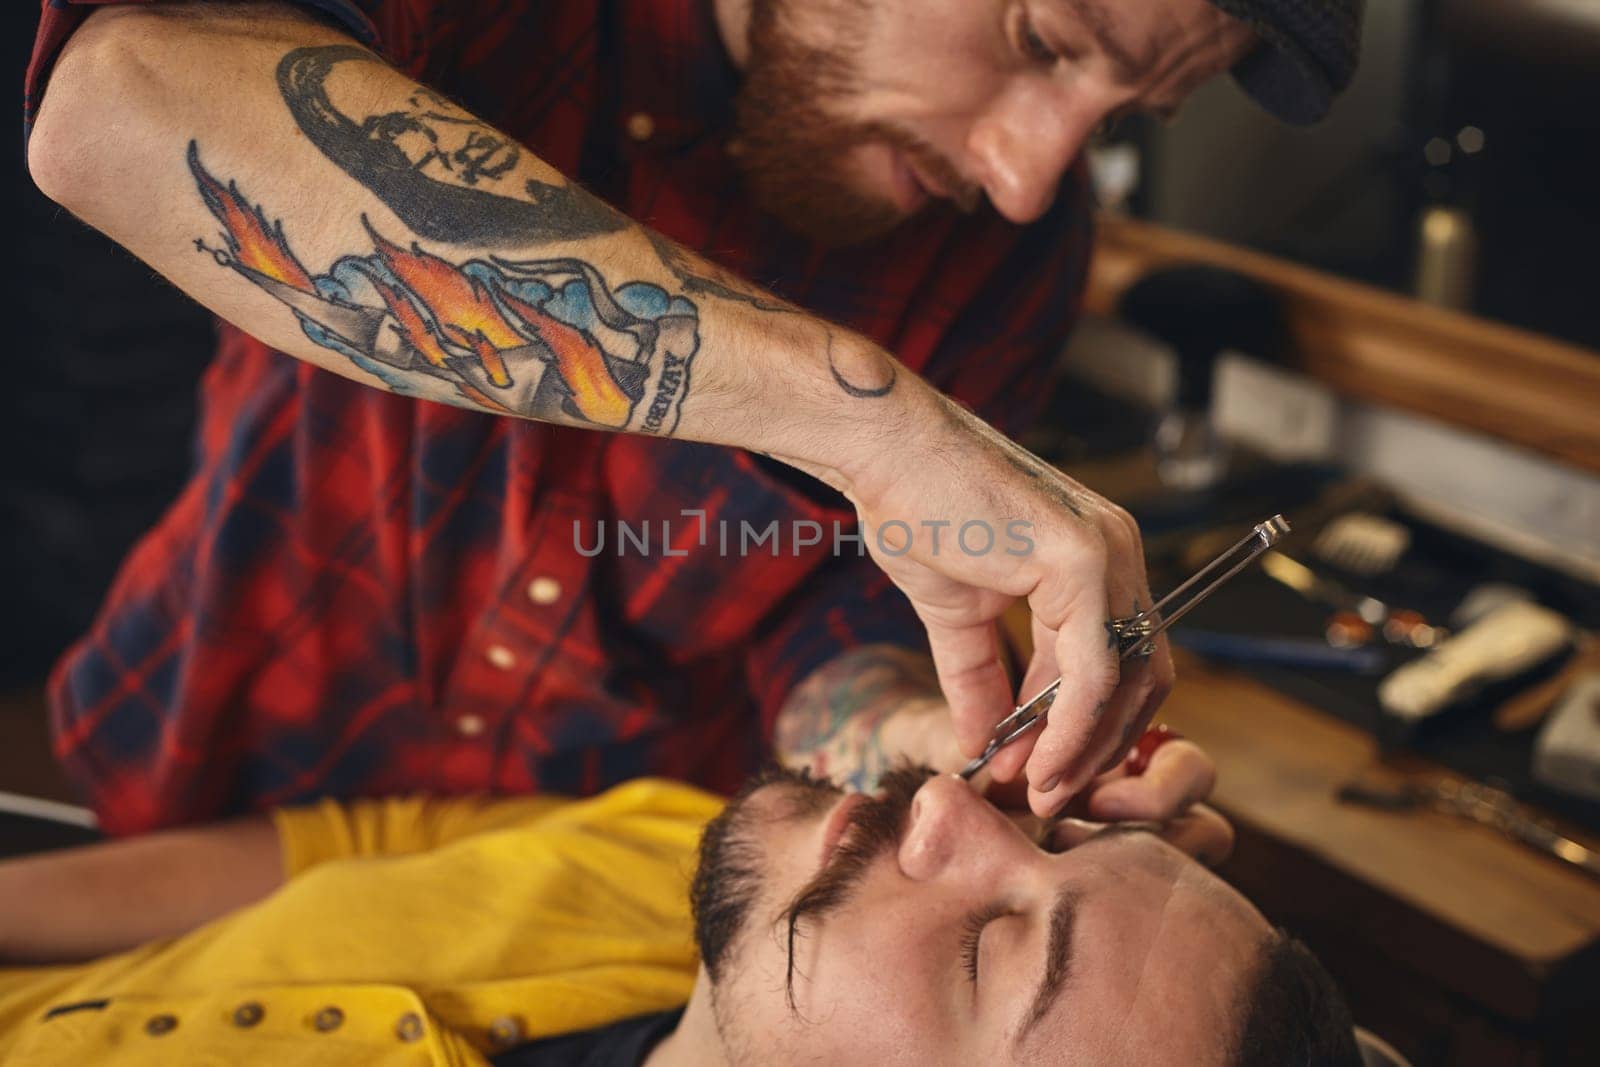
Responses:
[972,937]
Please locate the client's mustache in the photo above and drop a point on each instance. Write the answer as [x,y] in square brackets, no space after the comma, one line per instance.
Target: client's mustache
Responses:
[873,828]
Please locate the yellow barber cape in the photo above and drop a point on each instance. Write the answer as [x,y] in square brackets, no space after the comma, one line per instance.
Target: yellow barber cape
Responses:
[410,932]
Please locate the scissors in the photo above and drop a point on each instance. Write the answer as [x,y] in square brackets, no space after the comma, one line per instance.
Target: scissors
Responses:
[1136,634]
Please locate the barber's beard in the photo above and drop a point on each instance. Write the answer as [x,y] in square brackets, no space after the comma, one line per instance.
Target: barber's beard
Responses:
[794,145]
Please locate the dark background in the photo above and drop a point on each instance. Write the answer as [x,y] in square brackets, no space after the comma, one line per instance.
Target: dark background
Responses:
[96,412]
[1346,196]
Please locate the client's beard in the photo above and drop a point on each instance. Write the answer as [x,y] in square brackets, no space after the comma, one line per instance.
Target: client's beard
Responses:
[793,149]
[730,875]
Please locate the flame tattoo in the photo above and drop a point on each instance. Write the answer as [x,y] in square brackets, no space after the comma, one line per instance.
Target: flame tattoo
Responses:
[410,324]
[548,339]
[580,363]
[460,306]
[252,241]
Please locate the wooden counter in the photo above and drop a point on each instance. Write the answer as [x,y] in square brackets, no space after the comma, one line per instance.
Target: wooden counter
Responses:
[1282,763]
[1458,944]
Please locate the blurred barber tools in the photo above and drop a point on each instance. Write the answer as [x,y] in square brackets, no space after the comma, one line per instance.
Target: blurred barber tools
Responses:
[1566,755]
[1362,544]
[1358,618]
[1484,804]
[1503,644]
[1429,640]
[1284,651]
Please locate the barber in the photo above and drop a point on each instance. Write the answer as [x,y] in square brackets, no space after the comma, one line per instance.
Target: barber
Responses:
[549,212]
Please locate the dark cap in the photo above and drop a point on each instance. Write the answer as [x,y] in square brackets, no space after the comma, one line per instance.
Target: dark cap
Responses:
[1307,56]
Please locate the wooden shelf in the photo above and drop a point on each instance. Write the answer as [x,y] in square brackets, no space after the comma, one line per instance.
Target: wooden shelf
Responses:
[1378,346]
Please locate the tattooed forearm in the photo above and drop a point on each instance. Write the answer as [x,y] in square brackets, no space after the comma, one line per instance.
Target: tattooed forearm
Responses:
[446,175]
[454,180]
[546,339]
[882,369]
[839,721]
[419,250]
[700,277]
[433,164]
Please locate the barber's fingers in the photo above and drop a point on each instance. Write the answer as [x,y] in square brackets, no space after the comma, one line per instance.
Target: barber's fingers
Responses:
[1128,712]
[1146,680]
[1089,676]
[1159,679]
[1010,797]
[1097,705]
[1008,762]
[1179,776]
[1201,832]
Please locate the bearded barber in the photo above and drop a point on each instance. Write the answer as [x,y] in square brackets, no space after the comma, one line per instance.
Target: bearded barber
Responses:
[736,273]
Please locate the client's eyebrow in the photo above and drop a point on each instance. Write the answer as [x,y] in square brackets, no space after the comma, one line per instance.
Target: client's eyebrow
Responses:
[1057,958]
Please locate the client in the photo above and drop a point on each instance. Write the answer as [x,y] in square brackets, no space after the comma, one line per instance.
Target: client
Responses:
[920,925]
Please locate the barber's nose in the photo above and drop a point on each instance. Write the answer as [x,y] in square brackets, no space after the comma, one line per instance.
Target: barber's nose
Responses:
[1022,146]
[950,830]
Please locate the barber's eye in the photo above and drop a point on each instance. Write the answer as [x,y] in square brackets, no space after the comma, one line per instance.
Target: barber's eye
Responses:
[1034,47]
[972,937]
[1110,125]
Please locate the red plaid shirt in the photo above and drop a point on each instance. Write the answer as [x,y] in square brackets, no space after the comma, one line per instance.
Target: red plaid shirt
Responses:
[361,594]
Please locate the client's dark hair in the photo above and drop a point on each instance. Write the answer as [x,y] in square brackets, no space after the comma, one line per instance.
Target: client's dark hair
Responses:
[1294,1014]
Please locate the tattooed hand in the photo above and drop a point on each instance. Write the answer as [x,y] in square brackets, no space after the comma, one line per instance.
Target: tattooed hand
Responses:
[864,712]
[966,522]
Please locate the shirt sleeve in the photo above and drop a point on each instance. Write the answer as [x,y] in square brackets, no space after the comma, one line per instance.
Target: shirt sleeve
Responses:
[330,830]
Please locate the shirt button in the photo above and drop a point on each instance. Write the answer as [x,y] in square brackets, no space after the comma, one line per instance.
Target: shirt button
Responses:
[248,1014]
[641,127]
[328,1020]
[506,1031]
[409,1027]
[500,656]
[469,725]
[544,590]
[157,1025]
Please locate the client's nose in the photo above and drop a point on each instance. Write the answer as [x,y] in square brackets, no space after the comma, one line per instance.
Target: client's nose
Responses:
[952,830]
